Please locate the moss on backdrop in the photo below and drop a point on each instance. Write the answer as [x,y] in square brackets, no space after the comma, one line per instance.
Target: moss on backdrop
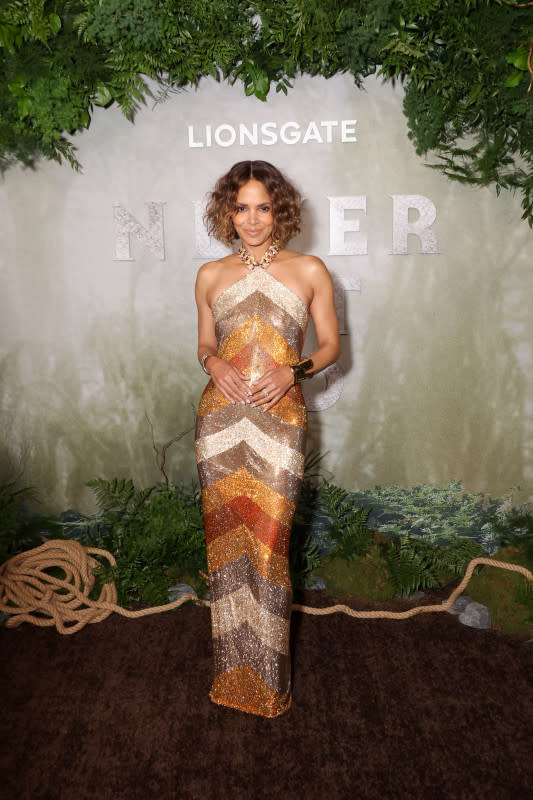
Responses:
[505,593]
[366,577]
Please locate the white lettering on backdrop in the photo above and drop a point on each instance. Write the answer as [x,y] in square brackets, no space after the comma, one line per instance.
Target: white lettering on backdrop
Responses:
[209,248]
[269,133]
[153,237]
[420,227]
[339,225]
[334,378]
[126,225]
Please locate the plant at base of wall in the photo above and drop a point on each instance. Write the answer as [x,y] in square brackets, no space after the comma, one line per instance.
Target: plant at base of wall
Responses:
[347,524]
[148,531]
[20,528]
[436,513]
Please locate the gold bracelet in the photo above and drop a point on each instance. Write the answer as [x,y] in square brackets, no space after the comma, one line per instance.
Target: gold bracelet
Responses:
[300,370]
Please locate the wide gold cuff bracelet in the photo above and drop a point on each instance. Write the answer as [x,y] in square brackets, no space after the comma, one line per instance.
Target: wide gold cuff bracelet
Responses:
[300,370]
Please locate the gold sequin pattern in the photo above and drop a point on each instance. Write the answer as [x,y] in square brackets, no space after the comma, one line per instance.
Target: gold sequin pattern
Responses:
[291,409]
[280,480]
[290,435]
[244,430]
[244,689]
[275,290]
[241,483]
[265,341]
[277,318]
[250,465]
[241,573]
[272,667]
[212,400]
[234,609]
[233,544]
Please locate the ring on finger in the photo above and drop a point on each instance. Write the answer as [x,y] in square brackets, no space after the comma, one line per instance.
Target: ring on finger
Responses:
[265,392]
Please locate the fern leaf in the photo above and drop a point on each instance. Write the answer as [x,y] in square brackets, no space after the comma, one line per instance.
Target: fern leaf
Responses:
[409,569]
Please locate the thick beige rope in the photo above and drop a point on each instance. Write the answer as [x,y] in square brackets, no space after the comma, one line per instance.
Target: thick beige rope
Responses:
[30,594]
[419,609]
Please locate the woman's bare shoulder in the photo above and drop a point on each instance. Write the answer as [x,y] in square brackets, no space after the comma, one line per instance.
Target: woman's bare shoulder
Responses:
[215,266]
[209,271]
[306,258]
[312,265]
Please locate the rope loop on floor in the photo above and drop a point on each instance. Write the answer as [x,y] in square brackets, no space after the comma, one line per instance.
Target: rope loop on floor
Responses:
[29,593]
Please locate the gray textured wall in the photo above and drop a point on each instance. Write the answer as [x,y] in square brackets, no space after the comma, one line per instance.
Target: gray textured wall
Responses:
[435,379]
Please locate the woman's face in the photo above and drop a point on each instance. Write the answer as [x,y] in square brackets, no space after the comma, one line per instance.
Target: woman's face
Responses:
[253,219]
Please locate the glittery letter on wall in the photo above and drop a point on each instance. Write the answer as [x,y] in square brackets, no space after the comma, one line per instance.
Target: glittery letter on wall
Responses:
[339,226]
[344,285]
[319,401]
[206,247]
[126,225]
[421,227]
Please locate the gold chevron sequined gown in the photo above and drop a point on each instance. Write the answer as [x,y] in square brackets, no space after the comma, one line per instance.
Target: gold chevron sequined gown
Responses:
[250,465]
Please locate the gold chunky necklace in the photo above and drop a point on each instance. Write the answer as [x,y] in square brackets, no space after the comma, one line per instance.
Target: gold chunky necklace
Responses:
[267,257]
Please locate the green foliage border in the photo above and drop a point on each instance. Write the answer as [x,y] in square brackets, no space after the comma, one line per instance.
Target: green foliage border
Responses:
[466,66]
[156,536]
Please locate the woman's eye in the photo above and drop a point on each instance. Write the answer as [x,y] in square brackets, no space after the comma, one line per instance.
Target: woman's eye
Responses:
[265,208]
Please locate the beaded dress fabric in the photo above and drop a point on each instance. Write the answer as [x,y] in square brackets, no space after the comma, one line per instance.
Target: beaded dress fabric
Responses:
[250,464]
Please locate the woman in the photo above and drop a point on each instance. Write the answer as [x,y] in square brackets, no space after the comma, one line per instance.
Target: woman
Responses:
[253,308]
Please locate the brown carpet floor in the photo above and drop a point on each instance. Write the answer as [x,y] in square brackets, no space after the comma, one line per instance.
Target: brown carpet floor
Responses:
[421,708]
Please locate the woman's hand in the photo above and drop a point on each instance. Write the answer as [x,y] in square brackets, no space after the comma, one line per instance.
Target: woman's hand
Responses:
[270,388]
[232,383]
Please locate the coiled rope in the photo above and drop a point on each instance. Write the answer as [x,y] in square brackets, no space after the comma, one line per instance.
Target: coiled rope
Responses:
[30,594]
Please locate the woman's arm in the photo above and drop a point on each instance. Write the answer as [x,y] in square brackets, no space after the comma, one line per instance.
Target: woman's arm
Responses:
[322,309]
[324,316]
[232,383]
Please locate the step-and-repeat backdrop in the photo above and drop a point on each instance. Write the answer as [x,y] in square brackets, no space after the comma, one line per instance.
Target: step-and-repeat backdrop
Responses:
[433,287]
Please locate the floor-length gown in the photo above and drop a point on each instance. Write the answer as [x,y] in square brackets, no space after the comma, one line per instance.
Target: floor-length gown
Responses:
[250,464]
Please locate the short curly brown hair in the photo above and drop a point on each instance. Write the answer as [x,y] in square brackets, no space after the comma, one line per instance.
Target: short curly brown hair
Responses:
[222,201]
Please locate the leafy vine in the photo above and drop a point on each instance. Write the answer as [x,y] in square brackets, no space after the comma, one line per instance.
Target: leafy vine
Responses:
[466,66]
